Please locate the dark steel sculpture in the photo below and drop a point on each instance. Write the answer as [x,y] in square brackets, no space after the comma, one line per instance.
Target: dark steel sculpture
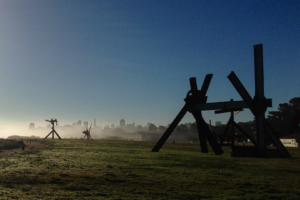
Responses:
[87,133]
[193,97]
[196,102]
[230,125]
[53,131]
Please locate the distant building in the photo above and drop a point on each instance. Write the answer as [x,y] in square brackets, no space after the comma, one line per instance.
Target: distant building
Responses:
[85,124]
[122,123]
[131,125]
[79,123]
[95,123]
[218,123]
[130,128]
[112,126]
[139,128]
[291,140]
[31,126]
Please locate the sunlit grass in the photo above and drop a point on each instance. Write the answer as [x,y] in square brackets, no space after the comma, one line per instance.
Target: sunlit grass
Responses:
[69,169]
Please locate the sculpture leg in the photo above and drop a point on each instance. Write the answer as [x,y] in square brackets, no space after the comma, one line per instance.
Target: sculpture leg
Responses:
[170,129]
[246,134]
[205,131]
[202,138]
[57,134]
[276,141]
[48,135]
[226,130]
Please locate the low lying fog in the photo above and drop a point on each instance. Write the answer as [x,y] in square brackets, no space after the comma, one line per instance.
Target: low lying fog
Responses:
[63,132]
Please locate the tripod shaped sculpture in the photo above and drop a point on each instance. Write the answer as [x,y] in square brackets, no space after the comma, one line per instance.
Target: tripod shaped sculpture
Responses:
[87,133]
[53,131]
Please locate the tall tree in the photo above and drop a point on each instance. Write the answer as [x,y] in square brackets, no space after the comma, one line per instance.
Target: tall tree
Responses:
[181,129]
[152,127]
[287,119]
[162,128]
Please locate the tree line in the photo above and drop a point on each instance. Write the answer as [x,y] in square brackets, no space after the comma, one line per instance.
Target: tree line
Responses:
[287,119]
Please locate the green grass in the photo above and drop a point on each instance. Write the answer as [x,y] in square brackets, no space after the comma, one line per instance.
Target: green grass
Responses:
[80,169]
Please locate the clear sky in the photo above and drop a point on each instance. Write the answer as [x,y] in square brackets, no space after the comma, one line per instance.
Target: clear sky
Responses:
[84,59]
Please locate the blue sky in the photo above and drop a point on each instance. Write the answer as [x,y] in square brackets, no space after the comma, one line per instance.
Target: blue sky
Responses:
[131,59]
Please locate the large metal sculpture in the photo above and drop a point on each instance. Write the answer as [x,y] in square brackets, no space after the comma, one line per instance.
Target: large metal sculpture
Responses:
[52,121]
[194,97]
[196,102]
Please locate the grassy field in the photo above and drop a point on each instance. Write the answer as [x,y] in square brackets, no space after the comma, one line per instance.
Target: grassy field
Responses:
[9,144]
[78,169]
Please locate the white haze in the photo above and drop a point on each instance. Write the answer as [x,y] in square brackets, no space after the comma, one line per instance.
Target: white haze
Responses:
[42,132]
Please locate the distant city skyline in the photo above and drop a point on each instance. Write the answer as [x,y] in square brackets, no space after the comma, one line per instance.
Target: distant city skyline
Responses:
[122,124]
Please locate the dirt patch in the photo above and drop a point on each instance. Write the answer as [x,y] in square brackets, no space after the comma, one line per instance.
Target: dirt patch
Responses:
[28,147]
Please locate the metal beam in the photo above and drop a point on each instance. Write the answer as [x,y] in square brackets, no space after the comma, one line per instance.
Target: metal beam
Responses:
[225,132]
[206,83]
[173,125]
[226,111]
[226,105]
[259,71]
[195,95]
[57,134]
[276,141]
[201,134]
[48,135]
[246,134]
[204,130]
[259,97]
[193,84]
[242,91]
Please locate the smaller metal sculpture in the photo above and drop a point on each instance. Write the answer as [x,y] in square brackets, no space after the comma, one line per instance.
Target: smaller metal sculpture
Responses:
[87,133]
[53,131]
[230,126]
